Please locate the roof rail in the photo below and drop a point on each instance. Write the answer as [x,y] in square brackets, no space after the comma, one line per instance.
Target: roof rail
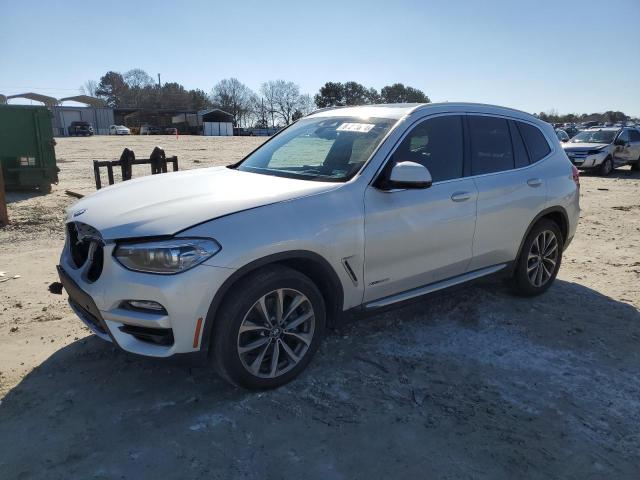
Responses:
[327,109]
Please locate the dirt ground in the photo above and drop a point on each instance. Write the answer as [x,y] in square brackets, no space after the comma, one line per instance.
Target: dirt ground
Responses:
[472,384]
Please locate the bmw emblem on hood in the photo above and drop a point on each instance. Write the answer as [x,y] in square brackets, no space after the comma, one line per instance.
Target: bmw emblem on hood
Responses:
[79,212]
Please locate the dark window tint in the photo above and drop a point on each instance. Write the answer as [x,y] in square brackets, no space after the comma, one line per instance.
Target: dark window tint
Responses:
[624,136]
[437,144]
[490,145]
[535,141]
[635,135]
[521,157]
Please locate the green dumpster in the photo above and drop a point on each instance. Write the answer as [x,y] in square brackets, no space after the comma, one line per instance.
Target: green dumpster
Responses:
[27,154]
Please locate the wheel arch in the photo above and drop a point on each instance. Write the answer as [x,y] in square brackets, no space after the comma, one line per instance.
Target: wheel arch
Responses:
[557,214]
[311,264]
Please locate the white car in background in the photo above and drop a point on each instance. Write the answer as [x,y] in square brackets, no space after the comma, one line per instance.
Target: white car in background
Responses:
[604,148]
[352,208]
[119,130]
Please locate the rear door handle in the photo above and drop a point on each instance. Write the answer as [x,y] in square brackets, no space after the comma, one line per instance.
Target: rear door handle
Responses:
[534,182]
[460,196]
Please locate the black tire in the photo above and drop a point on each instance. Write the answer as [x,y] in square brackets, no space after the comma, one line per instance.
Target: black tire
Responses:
[521,282]
[241,303]
[635,167]
[607,167]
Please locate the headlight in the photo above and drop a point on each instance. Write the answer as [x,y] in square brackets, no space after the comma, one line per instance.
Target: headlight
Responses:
[166,256]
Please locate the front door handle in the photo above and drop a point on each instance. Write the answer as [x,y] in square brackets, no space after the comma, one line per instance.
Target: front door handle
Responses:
[460,196]
[534,182]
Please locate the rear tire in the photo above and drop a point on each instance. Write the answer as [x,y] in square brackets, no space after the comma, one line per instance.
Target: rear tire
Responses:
[539,260]
[268,328]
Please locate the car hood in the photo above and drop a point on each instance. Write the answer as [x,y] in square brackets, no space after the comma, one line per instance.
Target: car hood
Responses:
[583,146]
[165,204]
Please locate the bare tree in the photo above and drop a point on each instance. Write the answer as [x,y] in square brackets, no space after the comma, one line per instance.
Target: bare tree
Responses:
[259,112]
[305,104]
[283,99]
[233,97]
[89,88]
[138,78]
[269,90]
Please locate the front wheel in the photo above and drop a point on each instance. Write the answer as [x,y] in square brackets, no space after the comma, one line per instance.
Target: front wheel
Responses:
[539,260]
[636,165]
[607,167]
[269,328]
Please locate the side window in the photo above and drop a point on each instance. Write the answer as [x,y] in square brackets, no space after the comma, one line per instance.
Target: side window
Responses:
[535,141]
[490,145]
[634,135]
[624,136]
[437,144]
[521,157]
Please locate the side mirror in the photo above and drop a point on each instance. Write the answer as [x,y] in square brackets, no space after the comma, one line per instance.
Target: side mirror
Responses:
[620,142]
[409,175]
[565,140]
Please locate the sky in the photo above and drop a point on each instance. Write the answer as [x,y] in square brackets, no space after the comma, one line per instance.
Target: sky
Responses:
[535,55]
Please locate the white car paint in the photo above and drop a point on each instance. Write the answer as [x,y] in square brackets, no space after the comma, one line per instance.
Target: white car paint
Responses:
[119,130]
[394,241]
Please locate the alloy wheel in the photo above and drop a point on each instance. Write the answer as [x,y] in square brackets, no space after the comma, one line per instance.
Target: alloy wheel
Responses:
[276,333]
[542,258]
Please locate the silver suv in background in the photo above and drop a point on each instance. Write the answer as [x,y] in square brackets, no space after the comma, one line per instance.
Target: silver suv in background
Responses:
[354,208]
[603,149]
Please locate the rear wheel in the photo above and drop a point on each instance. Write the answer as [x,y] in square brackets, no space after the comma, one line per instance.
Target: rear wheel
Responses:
[269,328]
[540,259]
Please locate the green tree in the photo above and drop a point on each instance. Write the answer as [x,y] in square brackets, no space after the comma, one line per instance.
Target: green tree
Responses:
[198,99]
[112,89]
[398,93]
[331,94]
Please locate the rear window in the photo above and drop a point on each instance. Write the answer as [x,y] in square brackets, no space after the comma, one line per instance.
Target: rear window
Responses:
[535,141]
[490,145]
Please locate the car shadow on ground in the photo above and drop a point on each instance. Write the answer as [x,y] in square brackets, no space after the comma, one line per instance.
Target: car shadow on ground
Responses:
[623,173]
[476,383]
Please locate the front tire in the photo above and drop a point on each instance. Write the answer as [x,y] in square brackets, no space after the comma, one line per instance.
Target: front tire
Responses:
[539,260]
[635,167]
[607,167]
[269,328]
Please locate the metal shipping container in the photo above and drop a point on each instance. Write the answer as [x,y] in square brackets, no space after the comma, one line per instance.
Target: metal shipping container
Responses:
[27,154]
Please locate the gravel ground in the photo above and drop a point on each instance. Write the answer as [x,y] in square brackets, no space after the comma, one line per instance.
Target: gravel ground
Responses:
[471,384]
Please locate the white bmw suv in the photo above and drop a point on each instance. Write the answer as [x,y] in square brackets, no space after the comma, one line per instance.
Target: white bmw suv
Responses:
[346,209]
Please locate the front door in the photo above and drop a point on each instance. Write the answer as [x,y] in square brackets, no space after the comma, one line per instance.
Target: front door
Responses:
[634,137]
[417,237]
[623,152]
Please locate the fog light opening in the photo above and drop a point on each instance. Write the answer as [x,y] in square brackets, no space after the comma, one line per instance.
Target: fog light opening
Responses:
[144,306]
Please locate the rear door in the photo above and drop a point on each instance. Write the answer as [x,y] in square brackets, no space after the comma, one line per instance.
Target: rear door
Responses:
[417,237]
[634,138]
[507,162]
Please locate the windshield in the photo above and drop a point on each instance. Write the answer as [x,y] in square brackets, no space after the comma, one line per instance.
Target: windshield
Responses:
[325,149]
[595,136]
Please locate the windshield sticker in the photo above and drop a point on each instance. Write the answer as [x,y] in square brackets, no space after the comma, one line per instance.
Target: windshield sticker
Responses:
[355,127]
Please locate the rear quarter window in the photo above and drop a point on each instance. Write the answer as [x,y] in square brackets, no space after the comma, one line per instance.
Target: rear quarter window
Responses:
[537,145]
